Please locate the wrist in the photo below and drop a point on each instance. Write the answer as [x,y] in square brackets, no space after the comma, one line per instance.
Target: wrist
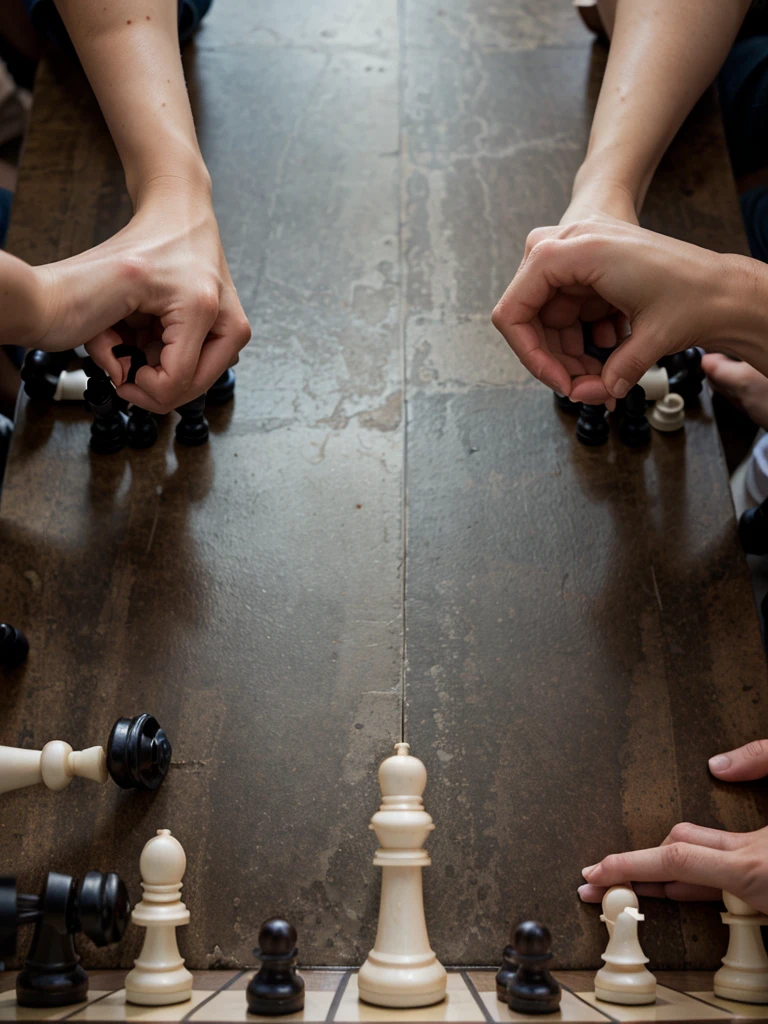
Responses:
[185,171]
[603,173]
[739,325]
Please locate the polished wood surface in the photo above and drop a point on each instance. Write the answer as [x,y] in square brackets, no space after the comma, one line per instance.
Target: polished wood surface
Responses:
[391,527]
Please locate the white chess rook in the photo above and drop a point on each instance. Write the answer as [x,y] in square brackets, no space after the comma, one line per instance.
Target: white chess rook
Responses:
[159,976]
[624,979]
[744,974]
[401,969]
[55,766]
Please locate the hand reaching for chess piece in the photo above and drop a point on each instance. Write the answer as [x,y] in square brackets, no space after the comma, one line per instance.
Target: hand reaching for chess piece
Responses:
[696,863]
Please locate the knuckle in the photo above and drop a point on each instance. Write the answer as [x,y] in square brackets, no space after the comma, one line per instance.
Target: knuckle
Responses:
[497,316]
[243,331]
[207,301]
[681,832]
[677,856]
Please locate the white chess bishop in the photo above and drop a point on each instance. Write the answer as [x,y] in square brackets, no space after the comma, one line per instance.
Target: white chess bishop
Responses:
[159,976]
[401,969]
[624,979]
[744,974]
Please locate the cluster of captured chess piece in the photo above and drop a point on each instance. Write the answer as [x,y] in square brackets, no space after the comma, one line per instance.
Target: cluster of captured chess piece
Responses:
[659,400]
[400,972]
[47,377]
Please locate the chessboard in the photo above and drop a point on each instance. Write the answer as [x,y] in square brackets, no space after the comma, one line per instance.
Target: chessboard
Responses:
[218,997]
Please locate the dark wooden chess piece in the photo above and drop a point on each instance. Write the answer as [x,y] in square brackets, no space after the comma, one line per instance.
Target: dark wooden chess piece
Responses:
[41,371]
[592,425]
[141,431]
[635,430]
[108,430]
[532,989]
[223,389]
[98,907]
[192,428]
[14,646]
[138,753]
[277,988]
[686,376]
[564,404]
[506,972]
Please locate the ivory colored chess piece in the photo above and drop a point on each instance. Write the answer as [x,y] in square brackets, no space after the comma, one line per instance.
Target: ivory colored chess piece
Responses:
[138,756]
[624,978]
[401,969]
[159,976]
[71,386]
[744,974]
[668,414]
[655,383]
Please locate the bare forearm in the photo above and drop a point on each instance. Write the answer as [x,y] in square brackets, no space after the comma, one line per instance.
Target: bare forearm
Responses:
[22,300]
[130,52]
[662,58]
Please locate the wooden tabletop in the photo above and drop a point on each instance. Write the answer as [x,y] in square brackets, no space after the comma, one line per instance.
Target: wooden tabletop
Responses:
[391,528]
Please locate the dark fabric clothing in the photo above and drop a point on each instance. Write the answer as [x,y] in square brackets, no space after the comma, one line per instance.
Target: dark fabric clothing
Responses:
[48,23]
[6,198]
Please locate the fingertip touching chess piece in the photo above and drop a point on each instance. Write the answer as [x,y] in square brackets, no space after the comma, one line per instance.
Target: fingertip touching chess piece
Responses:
[41,371]
[531,989]
[222,390]
[402,970]
[159,977]
[635,431]
[14,646]
[192,428]
[744,974]
[108,430]
[592,425]
[564,404]
[623,979]
[98,907]
[141,429]
[277,988]
[138,756]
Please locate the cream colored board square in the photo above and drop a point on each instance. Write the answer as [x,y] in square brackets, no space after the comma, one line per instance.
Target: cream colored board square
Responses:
[458,1005]
[571,1009]
[754,1011]
[669,1005]
[10,1011]
[233,1006]
[114,1007]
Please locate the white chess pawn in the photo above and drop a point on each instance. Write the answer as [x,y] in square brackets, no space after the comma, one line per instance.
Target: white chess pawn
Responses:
[624,978]
[159,976]
[401,969]
[744,974]
[71,386]
[55,766]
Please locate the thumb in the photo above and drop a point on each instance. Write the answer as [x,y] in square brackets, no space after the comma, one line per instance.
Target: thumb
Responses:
[631,359]
[743,764]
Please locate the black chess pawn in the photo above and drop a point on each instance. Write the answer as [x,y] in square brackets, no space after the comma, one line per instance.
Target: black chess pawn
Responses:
[108,430]
[41,371]
[686,376]
[506,972]
[635,430]
[192,428]
[532,989]
[592,425]
[141,431]
[14,646]
[138,753]
[223,389]
[564,404]
[277,988]
[98,907]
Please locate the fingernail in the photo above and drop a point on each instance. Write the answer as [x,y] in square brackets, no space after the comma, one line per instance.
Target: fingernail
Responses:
[586,872]
[719,763]
[581,889]
[620,388]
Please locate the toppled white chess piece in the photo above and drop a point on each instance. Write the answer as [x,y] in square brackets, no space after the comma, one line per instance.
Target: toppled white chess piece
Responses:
[624,978]
[744,974]
[159,976]
[401,969]
[55,766]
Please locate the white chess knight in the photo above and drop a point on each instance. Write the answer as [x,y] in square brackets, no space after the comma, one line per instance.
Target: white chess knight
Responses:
[744,974]
[401,969]
[624,978]
[55,766]
[159,976]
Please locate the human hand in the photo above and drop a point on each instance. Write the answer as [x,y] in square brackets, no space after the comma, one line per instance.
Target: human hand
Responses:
[672,294]
[741,384]
[695,863]
[161,283]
